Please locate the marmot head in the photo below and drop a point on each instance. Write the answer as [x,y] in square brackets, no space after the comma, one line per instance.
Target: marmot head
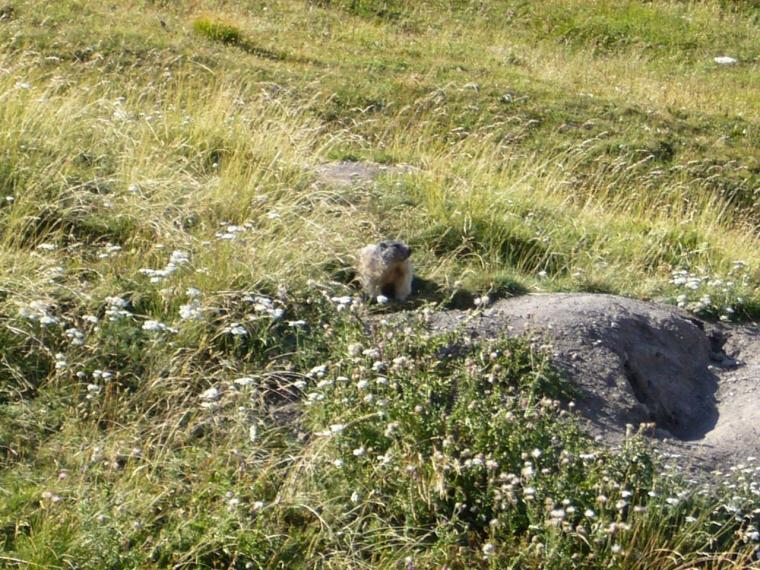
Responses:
[394,251]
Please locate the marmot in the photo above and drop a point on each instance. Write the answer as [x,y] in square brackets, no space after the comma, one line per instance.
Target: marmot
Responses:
[384,268]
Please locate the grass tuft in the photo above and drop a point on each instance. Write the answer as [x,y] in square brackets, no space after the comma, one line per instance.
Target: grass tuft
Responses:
[218,30]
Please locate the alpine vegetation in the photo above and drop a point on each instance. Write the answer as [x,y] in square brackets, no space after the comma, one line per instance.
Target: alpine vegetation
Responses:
[190,376]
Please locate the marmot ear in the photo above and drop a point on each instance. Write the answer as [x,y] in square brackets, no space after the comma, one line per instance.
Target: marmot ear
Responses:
[383,245]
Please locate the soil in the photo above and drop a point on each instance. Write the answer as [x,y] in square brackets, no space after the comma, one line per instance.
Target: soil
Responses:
[634,363]
[344,174]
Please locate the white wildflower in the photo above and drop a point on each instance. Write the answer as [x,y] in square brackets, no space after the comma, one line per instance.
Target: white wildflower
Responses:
[156,326]
[317,371]
[236,329]
[724,60]
[76,336]
[315,396]
[179,257]
[210,395]
[372,353]
[191,311]
[60,361]
[117,308]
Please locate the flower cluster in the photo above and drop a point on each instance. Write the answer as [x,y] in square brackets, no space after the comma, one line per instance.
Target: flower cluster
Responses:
[264,306]
[157,326]
[117,308]
[76,336]
[193,310]
[41,312]
[177,259]
[711,294]
[108,250]
[229,232]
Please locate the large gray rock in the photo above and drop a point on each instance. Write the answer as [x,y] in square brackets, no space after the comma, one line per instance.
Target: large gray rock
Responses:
[634,362]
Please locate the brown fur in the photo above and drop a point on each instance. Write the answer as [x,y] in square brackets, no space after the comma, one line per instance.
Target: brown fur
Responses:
[384,268]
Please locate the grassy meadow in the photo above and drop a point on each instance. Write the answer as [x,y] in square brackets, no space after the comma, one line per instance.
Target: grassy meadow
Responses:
[186,375]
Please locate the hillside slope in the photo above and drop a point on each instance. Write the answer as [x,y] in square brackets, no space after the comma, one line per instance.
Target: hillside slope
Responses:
[186,375]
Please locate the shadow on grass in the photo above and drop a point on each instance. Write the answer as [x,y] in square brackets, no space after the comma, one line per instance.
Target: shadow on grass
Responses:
[427,291]
[231,35]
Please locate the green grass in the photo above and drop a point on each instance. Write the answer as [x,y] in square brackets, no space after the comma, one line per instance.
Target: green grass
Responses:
[218,31]
[555,146]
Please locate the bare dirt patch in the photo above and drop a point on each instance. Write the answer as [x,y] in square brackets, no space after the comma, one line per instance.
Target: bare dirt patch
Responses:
[634,362]
[343,174]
